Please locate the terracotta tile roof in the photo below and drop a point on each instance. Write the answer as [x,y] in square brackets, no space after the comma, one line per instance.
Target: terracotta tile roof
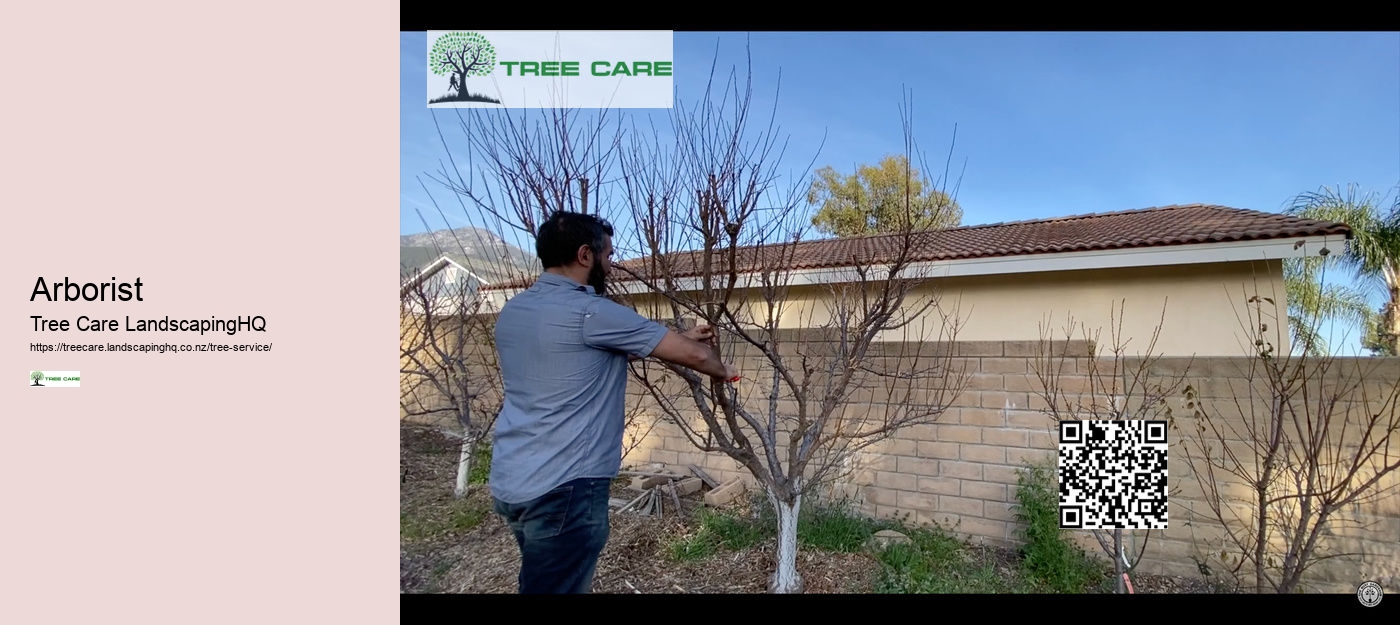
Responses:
[1150,227]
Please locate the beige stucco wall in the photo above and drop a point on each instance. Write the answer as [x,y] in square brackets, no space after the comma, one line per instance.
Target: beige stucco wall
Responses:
[1205,306]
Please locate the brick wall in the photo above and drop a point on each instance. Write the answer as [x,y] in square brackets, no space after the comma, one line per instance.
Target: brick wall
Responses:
[961,470]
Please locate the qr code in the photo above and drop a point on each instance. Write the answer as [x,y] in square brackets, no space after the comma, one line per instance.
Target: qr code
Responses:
[1113,474]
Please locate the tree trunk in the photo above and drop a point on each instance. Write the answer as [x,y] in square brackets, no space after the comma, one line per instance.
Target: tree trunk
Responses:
[786,579]
[461,84]
[1261,537]
[1392,321]
[1118,570]
[464,465]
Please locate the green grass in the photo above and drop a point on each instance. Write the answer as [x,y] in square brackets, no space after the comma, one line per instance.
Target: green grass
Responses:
[698,546]
[481,464]
[715,530]
[461,515]
[828,526]
[934,561]
[836,528]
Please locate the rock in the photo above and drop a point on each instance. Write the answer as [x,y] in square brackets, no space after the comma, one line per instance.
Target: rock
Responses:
[884,538]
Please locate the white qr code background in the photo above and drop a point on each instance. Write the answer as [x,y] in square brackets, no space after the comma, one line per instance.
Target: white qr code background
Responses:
[1113,474]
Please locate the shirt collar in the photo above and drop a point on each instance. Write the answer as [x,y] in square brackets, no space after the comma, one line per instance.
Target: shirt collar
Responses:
[554,279]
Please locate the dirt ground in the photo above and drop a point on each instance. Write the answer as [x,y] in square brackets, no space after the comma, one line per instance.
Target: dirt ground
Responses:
[468,549]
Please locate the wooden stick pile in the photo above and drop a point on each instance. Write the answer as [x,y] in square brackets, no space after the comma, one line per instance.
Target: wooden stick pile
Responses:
[662,490]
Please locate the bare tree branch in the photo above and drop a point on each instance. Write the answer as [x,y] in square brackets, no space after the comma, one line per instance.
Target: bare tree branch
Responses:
[1311,436]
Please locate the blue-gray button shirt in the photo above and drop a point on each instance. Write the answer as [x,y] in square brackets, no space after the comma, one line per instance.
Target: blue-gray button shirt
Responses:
[563,357]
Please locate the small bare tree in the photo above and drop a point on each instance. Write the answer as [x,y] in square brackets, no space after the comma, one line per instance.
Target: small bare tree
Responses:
[719,247]
[1308,439]
[448,361]
[1115,385]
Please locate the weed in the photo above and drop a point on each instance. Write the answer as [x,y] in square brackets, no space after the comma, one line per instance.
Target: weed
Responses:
[834,527]
[828,527]
[716,530]
[466,515]
[481,463]
[459,516]
[936,562]
[1049,558]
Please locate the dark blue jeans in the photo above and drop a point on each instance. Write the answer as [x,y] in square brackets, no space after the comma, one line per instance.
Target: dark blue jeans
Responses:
[560,534]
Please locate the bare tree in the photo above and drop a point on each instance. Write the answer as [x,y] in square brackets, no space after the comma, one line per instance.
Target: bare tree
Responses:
[520,170]
[1115,386]
[721,244]
[715,245]
[448,361]
[1307,439]
[509,171]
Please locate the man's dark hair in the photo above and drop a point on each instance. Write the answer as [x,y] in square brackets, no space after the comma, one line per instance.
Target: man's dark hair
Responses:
[564,232]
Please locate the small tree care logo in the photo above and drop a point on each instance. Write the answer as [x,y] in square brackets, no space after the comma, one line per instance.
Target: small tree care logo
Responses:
[54,379]
[1369,594]
[460,55]
[551,69]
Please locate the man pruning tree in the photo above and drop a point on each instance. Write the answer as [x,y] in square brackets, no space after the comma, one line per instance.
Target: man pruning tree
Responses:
[558,441]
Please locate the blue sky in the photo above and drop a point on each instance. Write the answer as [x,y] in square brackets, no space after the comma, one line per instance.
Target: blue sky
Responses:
[1058,123]
[1048,123]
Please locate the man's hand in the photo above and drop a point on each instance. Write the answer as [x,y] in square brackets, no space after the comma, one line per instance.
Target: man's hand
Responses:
[701,333]
[695,349]
[706,334]
[731,373]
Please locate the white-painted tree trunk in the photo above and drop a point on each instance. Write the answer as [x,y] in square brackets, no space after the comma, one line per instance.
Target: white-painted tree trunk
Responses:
[786,579]
[464,466]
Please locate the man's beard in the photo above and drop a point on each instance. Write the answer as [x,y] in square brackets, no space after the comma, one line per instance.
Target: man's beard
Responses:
[596,279]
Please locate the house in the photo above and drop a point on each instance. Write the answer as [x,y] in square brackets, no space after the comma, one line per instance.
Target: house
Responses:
[441,275]
[440,284]
[1204,262]
[1190,268]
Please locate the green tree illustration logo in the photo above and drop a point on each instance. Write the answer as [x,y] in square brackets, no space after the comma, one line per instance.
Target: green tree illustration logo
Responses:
[36,376]
[459,55]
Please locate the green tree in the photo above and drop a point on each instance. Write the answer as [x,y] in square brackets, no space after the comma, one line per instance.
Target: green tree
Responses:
[879,198]
[1376,338]
[1373,255]
[462,54]
[1313,301]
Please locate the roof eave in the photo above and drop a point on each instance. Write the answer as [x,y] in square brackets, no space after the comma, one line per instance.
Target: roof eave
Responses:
[1200,253]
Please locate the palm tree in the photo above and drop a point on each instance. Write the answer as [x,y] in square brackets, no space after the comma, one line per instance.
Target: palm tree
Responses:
[1312,301]
[1373,254]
